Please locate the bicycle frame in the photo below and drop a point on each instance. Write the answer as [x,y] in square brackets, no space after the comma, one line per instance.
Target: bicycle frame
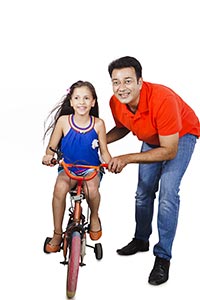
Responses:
[80,180]
[78,193]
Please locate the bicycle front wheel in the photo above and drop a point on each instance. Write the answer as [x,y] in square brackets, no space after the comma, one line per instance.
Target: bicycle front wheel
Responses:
[73,264]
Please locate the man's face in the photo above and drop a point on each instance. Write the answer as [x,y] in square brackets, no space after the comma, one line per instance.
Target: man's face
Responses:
[126,87]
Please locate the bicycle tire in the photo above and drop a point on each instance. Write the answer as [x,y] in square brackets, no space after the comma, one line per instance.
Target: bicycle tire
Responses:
[73,264]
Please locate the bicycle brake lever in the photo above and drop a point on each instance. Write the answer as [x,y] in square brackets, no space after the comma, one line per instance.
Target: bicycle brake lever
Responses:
[58,152]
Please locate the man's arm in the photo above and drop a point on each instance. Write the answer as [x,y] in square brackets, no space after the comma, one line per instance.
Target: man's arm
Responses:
[116,133]
[166,151]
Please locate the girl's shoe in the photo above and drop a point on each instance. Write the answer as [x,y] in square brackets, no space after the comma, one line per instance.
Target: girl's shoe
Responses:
[50,248]
[95,235]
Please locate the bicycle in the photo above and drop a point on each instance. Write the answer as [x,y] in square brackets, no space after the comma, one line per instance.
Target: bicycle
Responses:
[73,242]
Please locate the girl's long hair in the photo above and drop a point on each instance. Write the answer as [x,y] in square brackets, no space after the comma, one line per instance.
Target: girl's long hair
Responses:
[64,107]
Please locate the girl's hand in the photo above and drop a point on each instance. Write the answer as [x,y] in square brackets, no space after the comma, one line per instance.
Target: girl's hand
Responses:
[47,160]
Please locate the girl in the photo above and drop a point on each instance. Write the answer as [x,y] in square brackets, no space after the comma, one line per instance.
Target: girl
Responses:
[79,133]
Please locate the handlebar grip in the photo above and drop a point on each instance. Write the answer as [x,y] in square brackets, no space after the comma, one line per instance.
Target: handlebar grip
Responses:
[54,161]
[104,166]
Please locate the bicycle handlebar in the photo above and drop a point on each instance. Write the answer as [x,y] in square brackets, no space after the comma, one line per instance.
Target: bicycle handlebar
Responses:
[77,177]
[66,167]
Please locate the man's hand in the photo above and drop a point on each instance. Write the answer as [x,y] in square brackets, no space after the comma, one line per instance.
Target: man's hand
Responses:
[116,164]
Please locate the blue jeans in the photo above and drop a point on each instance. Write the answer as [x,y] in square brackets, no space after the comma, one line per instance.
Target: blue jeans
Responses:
[165,176]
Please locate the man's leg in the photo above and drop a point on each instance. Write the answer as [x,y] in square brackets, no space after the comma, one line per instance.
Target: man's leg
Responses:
[149,175]
[168,210]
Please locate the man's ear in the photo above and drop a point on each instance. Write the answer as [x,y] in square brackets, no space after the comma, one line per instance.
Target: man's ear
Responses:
[140,82]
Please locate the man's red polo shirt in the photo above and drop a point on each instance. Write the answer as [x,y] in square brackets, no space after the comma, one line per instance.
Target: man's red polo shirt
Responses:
[160,112]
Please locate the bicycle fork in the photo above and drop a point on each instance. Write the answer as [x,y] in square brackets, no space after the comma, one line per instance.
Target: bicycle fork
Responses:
[76,223]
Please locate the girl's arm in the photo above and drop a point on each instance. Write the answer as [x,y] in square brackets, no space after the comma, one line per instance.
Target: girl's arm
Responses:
[53,142]
[101,131]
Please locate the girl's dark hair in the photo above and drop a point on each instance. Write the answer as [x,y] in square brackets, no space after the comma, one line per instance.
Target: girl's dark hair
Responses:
[126,62]
[64,107]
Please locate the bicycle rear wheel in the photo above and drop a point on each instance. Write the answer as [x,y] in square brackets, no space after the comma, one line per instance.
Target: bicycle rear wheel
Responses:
[73,264]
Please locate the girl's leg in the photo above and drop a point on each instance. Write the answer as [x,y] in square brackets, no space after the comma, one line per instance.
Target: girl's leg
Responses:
[91,190]
[61,188]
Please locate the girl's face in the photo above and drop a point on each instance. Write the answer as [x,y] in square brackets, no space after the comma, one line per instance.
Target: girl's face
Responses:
[82,100]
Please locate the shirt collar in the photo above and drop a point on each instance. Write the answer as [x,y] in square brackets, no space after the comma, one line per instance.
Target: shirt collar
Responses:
[143,102]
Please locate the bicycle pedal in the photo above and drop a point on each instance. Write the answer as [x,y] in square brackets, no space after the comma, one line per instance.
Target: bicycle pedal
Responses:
[64,262]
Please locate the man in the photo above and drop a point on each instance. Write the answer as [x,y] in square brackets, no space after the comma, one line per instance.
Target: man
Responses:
[168,128]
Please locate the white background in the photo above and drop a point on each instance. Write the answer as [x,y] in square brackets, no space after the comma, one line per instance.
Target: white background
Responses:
[45,47]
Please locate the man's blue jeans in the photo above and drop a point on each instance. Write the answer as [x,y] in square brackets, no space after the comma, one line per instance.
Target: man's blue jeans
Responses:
[166,177]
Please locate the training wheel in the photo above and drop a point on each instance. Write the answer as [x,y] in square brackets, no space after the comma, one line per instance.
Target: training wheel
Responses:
[98,250]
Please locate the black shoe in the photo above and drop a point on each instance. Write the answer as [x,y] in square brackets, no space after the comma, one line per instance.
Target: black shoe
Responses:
[133,247]
[160,271]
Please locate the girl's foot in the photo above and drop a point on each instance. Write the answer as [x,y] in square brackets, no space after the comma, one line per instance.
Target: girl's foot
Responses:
[95,229]
[53,244]
[56,239]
